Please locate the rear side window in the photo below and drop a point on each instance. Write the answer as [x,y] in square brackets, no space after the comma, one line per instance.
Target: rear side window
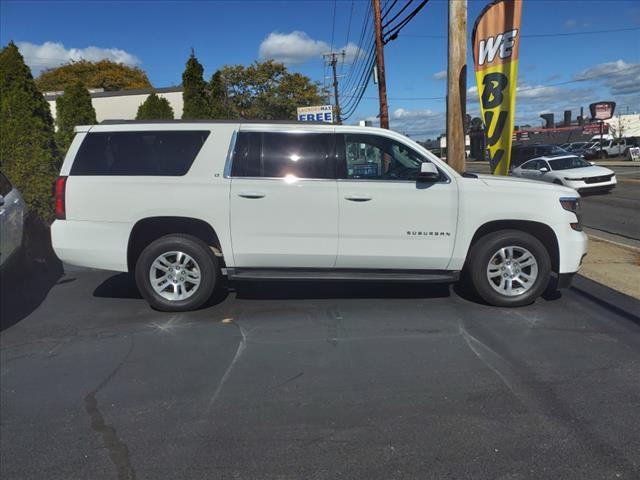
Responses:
[159,153]
[279,155]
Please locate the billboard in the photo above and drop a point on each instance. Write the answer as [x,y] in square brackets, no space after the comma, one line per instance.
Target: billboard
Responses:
[319,113]
[602,110]
[496,46]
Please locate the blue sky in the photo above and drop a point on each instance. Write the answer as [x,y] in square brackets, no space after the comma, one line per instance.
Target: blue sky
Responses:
[158,36]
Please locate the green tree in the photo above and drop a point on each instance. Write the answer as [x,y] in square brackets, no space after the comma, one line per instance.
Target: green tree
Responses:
[103,74]
[28,153]
[155,108]
[73,108]
[265,90]
[219,101]
[194,93]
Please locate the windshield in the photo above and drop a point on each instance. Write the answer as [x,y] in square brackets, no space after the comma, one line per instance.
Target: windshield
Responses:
[567,163]
[578,145]
[555,150]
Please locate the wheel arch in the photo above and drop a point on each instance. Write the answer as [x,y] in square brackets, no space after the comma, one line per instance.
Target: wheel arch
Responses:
[149,229]
[542,232]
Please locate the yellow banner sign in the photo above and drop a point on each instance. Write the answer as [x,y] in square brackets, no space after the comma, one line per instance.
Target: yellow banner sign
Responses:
[496,45]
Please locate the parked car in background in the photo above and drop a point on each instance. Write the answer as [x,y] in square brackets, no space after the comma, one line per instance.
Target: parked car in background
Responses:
[180,204]
[614,147]
[570,171]
[573,146]
[522,153]
[12,214]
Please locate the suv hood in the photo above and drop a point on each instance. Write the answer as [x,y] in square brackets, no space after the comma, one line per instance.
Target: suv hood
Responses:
[499,181]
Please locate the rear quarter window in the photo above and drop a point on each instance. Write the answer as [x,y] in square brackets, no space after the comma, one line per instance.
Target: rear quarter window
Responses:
[155,153]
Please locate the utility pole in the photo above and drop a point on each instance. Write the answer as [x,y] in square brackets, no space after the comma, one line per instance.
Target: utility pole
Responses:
[333,62]
[457,84]
[382,83]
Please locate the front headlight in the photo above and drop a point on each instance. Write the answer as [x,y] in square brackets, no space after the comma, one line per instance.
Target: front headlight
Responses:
[572,204]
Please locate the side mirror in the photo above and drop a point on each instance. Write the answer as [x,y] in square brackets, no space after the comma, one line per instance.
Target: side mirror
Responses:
[428,172]
[544,170]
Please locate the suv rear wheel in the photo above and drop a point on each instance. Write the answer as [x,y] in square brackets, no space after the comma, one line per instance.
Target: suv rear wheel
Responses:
[509,268]
[177,273]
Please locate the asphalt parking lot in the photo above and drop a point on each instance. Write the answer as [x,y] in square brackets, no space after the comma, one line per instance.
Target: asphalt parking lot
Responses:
[320,381]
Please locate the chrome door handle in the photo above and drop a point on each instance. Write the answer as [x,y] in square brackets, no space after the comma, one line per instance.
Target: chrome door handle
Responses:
[358,198]
[254,195]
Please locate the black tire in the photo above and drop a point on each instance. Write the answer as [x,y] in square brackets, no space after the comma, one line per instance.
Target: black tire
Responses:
[482,252]
[194,247]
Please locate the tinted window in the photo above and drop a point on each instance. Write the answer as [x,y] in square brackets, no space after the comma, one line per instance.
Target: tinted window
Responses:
[568,163]
[373,157]
[138,153]
[278,155]
[5,185]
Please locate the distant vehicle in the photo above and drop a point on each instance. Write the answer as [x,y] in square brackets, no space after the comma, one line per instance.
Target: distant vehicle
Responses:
[182,204]
[12,213]
[614,147]
[522,153]
[570,171]
[570,147]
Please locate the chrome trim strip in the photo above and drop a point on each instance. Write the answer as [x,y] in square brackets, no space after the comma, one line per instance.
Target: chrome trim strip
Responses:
[229,162]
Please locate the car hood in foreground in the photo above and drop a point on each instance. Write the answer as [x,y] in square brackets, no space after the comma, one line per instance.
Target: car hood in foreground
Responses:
[499,181]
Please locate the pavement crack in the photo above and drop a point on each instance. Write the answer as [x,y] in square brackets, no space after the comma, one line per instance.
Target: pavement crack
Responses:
[241,348]
[118,450]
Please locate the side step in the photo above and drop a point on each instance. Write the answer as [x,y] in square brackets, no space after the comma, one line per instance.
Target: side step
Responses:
[339,274]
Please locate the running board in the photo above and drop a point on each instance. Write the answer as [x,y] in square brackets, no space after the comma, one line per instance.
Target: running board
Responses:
[338,274]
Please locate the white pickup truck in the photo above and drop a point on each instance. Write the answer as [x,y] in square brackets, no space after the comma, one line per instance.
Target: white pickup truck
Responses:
[181,204]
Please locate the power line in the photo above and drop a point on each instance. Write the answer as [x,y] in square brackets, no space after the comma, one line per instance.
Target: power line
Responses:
[384,14]
[542,35]
[348,34]
[406,5]
[392,33]
[527,89]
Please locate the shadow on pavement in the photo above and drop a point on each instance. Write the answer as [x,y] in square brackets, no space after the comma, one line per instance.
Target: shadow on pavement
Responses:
[320,290]
[24,285]
[122,285]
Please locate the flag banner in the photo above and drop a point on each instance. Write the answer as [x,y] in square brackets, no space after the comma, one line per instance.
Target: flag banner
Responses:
[496,44]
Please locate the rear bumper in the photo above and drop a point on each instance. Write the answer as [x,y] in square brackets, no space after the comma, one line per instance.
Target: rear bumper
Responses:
[101,245]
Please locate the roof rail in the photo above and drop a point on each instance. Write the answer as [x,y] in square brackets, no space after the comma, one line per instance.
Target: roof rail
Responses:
[280,122]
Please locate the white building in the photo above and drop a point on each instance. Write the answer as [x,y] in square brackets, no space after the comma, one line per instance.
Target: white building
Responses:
[123,104]
[625,125]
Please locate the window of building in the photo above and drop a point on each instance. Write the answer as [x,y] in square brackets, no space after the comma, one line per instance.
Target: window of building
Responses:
[163,153]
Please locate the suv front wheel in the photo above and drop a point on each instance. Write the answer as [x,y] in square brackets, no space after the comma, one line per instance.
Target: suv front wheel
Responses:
[509,268]
[177,273]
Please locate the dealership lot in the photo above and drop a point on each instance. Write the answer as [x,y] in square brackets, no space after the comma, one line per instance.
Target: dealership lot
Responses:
[321,381]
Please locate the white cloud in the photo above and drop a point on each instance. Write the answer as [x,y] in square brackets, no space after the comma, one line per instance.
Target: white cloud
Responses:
[570,23]
[298,47]
[620,77]
[418,123]
[53,54]
[442,75]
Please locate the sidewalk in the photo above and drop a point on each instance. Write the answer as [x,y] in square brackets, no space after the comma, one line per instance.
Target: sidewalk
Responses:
[615,265]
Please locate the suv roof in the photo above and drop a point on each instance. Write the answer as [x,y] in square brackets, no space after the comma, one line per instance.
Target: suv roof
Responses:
[282,122]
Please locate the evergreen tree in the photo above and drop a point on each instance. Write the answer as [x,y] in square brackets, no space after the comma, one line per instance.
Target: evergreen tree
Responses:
[28,153]
[220,108]
[73,108]
[194,93]
[155,108]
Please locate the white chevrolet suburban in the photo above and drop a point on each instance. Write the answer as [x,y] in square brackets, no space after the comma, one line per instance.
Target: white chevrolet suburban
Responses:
[181,204]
